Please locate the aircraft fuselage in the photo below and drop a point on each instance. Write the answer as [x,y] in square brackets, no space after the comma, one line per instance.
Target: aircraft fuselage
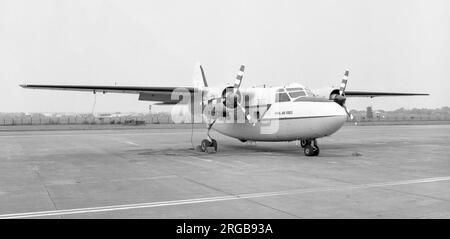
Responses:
[287,121]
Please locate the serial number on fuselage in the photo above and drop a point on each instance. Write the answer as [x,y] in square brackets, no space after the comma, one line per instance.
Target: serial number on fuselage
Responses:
[283,112]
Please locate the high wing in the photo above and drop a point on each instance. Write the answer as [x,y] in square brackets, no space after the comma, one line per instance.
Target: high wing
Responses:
[372,94]
[159,94]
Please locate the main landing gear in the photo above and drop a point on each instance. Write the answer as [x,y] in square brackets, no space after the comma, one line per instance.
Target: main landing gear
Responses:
[209,144]
[310,147]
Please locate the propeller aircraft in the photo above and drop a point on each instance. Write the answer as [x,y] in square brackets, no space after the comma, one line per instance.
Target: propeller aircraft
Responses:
[284,113]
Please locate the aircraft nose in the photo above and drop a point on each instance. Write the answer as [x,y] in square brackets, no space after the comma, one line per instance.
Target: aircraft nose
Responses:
[343,116]
[338,120]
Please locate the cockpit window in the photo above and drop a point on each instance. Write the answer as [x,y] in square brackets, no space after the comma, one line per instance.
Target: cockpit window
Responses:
[282,97]
[294,89]
[297,94]
[309,92]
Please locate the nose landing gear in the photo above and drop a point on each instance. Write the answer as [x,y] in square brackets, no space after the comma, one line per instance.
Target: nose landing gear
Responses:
[310,147]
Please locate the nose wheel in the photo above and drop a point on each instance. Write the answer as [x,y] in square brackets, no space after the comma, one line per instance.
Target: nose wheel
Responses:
[310,147]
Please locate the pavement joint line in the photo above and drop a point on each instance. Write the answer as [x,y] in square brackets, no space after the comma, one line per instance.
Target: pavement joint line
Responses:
[191,163]
[417,195]
[114,180]
[198,158]
[132,143]
[205,160]
[45,187]
[218,199]
[274,208]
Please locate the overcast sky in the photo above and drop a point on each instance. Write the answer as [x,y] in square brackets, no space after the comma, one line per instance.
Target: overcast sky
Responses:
[387,45]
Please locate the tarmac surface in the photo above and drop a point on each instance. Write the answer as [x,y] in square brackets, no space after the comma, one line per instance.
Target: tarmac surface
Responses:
[362,172]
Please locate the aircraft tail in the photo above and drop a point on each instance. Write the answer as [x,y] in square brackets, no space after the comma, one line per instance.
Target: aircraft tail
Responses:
[199,78]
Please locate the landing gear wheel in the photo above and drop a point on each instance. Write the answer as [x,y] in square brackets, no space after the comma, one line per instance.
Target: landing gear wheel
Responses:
[205,144]
[309,150]
[316,151]
[214,144]
[208,142]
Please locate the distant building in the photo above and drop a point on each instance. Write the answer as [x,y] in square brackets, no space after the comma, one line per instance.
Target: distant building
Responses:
[369,113]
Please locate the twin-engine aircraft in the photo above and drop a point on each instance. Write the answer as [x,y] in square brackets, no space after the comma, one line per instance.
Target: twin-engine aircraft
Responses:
[284,113]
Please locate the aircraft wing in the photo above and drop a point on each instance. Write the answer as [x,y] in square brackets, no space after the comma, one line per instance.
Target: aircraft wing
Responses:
[160,94]
[372,94]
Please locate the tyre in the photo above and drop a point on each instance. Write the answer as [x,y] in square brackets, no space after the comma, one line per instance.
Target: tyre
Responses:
[316,151]
[214,144]
[205,144]
[309,150]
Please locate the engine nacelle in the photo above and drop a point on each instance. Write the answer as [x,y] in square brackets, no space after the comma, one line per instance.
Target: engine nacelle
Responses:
[331,93]
[336,97]
[215,110]
[231,99]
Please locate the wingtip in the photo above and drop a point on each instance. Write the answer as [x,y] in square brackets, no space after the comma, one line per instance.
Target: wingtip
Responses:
[23,85]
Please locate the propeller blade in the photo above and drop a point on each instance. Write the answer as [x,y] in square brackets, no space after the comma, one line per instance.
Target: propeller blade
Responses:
[344,83]
[239,76]
[203,76]
[348,113]
[198,77]
[247,115]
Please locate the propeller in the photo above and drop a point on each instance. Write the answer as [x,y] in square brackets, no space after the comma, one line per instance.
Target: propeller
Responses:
[340,98]
[232,96]
[237,84]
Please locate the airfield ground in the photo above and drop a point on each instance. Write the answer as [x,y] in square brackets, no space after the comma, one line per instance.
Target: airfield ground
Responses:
[362,172]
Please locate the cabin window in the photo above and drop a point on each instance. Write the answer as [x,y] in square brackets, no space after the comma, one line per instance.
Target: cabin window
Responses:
[282,97]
